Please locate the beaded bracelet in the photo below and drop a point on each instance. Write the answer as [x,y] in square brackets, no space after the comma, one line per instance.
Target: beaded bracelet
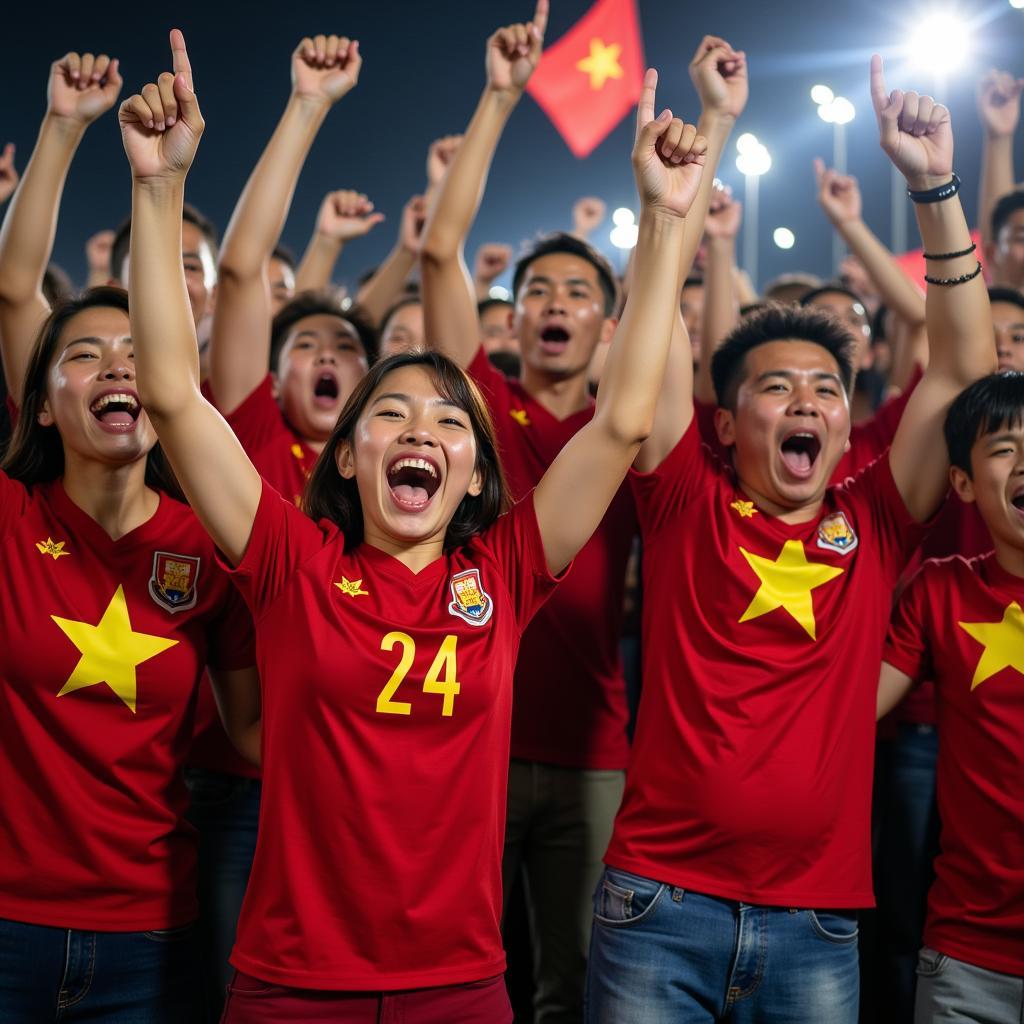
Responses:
[936,195]
[948,282]
[950,255]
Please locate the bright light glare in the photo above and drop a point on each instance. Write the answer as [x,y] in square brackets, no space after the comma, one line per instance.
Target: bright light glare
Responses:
[940,43]
[843,111]
[826,113]
[747,143]
[624,236]
[497,292]
[755,162]
[822,94]
[784,238]
[1017,3]
[346,303]
[622,216]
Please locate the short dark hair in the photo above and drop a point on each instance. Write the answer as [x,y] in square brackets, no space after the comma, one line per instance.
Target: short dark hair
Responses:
[777,323]
[36,453]
[485,304]
[990,404]
[1006,206]
[331,496]
[561,241]
[999,293]
[122,238]
[318,303]
[830,287]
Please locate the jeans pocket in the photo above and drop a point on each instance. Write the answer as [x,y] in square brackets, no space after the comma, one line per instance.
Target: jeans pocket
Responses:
[170,935]
[834,925]
[625,899]
[930,962]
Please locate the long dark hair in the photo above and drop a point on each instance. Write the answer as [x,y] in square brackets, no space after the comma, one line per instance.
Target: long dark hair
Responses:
[329,495]
[36,453]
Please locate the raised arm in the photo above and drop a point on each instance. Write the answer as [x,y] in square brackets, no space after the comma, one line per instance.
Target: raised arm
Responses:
[449,301]
[324,69]
[492,260]
[719,74]
[160,128]
[8,173]
[999,108]
[81,88]
[587,216]
[667,162]
[344,215]
[918,138]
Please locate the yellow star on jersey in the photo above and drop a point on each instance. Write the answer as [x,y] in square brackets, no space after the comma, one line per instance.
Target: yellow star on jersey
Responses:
[1003,642]
[52,547]
[110,650]
[745,508]
[354,588]
[787,583]
[602,64]
[521,416]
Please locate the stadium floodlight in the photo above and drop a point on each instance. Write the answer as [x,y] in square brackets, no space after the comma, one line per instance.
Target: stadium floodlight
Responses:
[784,238]
[939,43]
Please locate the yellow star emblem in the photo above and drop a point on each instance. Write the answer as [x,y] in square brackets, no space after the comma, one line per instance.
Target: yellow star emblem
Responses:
[745,508]
[602,63]
[52,547]
[297,451]
[521,416]
[354,588]
[787,583]
[1003,642]
[110,650]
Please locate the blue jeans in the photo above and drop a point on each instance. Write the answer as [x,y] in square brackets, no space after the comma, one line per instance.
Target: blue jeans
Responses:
[53,974]
[663,955]
[226,810]
[950,990]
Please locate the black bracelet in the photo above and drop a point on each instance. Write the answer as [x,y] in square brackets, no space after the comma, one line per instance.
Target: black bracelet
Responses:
[948,282]
[936,195]
[950,255]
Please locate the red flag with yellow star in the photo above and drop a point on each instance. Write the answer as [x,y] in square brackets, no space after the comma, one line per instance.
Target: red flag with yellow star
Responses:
[591,78]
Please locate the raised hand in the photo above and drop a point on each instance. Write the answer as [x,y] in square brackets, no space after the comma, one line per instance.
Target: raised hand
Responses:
[513,52]
[587,215]
[440,156]
[162,125]
[838,194]
[724,216]
[719,74]
[82,86]
[414,217]
[914,131]
[999,102]
[97,252]
[324,68]
[668,155]
[345,215]
[8,173]
[492,260]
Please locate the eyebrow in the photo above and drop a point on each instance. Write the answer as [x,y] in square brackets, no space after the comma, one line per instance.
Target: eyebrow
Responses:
[397,395]
[1002,439]
[90,340]
[544,279]
[789,375]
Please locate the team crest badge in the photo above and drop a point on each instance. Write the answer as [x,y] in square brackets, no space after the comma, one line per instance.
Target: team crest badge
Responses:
[173,583]
[470,602]
[836,534]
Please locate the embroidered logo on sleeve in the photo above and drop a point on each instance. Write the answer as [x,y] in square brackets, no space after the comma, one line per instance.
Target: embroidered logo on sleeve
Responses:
[54,548]
[173,583]
[470,602]
[836,534]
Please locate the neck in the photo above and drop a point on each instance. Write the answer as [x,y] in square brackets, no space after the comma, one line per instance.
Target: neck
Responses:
[116,497]
[1009,557]
[561,396]
[414,555]
[315,444]
[784,513]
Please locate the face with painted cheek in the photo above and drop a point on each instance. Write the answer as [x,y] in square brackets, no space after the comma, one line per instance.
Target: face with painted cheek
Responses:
[1007,254]
[320,363]
[559,315]
[282,285]
[1008,323]
[403,332]
[413,456]
[90,390]
[496,333]
[791,424]
[996,483]
[693,315]
[853,316]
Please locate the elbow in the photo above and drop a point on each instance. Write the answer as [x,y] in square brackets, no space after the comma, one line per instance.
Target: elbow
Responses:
[628,431]
[439,248]
[234,269]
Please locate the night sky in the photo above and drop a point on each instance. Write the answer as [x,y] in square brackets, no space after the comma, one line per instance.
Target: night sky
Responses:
[422,75]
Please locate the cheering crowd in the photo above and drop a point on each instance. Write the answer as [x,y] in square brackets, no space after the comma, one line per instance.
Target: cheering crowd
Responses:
[330,620]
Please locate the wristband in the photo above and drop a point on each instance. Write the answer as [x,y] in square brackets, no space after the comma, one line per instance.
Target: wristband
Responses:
[948,282]
[950,255]
[936,195]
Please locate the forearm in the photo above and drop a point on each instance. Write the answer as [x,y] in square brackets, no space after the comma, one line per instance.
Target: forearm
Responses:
[720,311]
[996,179]
[384,289]
[716,128]
[898,292]
[317,267]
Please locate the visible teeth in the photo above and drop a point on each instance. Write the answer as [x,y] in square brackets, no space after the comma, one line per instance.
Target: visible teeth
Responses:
[120,399]
[413,464]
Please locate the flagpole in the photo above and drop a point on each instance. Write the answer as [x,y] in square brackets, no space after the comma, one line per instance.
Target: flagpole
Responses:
[750,197]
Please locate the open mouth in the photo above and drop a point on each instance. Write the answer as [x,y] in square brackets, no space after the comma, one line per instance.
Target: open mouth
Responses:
[1017,501]
[413,482]
[116,411]
[325,390]
[800,451]
[554,339]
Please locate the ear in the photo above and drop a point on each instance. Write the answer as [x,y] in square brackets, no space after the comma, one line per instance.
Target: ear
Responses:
[725,426]
[962,484]
[511,324]
[476,483]
[44,417]
[345,459]
[608,328]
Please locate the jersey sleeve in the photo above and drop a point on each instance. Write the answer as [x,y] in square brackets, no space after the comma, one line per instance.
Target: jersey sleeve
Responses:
[283,538]
[515,544]
[491,382]
[14,499]
[687,471]
[907,646]
[257,421]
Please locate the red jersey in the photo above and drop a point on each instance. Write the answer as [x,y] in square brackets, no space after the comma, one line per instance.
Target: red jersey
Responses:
[387,699]
[570,707]
[960,623]
[104,643]
[750,777]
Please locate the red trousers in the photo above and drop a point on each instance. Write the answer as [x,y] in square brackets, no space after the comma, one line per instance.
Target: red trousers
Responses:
[251,1001]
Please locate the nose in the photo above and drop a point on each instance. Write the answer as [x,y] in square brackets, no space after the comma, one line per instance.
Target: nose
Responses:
[555,303]
[326,356]
[801,403]
[417,433]
[118,367]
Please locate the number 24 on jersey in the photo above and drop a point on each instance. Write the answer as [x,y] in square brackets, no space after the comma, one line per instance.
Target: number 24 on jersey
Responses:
[441,677]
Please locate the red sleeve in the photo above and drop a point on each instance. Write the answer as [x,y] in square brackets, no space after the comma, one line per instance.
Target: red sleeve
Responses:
[230,638]
[14,499]
[869,440]
[283,538]
[257,421]
[704,413]
[515,544]
[906,647]
[687,471]
[493,385]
